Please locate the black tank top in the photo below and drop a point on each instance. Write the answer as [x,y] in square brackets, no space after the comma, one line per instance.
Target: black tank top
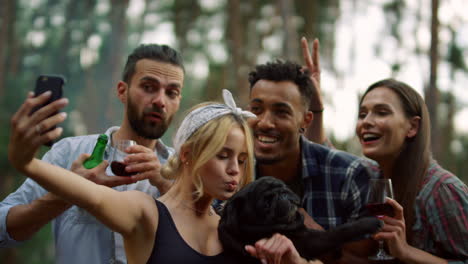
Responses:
[170,247]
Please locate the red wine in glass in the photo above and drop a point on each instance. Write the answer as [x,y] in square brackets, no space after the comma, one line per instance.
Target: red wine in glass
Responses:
[118,168]
[380,209]
[118,156]
[379,190]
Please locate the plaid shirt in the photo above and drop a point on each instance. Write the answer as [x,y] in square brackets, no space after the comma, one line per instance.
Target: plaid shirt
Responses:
[335,184]
[441,215]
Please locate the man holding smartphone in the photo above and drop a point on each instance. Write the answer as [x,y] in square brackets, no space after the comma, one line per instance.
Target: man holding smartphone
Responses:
[151,92]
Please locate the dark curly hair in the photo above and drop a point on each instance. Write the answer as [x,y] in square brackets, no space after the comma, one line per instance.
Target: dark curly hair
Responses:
[161,53]
[284,71]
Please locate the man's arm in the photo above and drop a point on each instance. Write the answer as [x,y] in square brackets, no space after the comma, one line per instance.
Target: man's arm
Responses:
[24,220]
[357,187]
[30,211]
[315,132]
[357,251]
[16,202]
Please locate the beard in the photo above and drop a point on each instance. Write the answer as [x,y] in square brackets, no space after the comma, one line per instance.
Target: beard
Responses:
[147,129]
[262,160]
[270,157]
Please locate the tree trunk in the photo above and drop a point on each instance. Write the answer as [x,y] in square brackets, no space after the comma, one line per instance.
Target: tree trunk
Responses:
[449,132]
[7,43]
[243,42]
[290,38]
[319,17]
[185,14]
[432,93]
[235,38]
[115,58]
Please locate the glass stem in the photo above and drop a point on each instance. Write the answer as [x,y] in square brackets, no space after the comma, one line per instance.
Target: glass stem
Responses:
[381,251]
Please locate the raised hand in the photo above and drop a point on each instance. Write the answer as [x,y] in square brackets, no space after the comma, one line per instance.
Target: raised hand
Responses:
[394,231]
[146,165]
[313,65]
[98,174]
[315,132]
[29,131]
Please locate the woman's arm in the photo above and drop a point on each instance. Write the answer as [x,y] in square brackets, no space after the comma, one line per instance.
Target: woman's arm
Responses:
[122,212]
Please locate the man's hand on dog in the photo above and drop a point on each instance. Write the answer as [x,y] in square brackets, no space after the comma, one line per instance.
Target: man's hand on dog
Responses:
[309,222]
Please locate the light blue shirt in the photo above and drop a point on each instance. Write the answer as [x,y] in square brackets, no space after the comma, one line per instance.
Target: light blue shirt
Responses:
[79,237]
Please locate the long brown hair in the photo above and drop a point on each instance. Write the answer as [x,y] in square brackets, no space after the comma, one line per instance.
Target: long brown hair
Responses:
[411,165]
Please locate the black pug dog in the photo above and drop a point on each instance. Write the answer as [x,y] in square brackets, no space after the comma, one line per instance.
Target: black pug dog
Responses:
[267,206]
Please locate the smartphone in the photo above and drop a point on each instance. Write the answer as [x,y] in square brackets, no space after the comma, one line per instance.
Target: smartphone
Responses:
[53,83]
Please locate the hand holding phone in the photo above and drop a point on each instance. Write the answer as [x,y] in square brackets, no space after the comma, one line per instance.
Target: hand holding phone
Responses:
[52,83]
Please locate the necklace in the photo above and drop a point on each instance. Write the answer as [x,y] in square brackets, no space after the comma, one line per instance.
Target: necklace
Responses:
[184,203]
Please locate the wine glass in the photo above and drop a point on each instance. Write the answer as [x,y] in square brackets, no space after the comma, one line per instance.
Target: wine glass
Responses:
[379,190]
[118,156]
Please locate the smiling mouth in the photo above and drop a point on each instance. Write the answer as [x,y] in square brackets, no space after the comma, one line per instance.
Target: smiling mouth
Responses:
[370,137]
[266,139]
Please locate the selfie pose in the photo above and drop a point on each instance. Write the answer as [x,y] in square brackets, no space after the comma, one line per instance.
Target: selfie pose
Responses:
[214,158]
[150,91]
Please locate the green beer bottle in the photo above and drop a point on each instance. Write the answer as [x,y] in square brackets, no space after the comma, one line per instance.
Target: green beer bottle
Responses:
[98,153]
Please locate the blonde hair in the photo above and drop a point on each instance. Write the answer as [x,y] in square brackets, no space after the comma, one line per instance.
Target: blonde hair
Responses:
[205,143]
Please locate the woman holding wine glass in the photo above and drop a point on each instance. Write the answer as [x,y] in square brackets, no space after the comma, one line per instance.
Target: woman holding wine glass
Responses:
[430,205]
[379,191]
[430,222]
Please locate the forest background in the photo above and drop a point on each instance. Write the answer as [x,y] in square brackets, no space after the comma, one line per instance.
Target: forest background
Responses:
[421,42]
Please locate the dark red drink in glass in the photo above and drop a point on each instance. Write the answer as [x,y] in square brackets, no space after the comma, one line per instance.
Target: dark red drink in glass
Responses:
[118,168]
[380,209]
[118,156]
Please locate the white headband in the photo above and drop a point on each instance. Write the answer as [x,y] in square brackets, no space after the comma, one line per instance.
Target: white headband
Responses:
[200,116]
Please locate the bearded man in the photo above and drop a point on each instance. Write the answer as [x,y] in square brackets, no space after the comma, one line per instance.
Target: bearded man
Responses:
[150,91]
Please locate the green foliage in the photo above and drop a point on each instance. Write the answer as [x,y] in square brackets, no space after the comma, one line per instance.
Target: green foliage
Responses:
[394,12]
[40,249]
[455,56]
[459,166]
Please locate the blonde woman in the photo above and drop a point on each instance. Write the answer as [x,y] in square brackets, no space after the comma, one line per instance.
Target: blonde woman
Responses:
[214,158]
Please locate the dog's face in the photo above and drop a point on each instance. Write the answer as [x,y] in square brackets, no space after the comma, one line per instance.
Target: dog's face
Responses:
[266,201]
[262,208]
[267,206]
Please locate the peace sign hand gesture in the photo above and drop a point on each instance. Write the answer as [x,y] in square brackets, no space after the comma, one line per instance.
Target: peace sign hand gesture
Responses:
[313,65]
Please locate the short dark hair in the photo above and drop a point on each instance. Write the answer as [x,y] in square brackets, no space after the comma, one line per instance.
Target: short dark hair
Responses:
[161,53]
[284,71]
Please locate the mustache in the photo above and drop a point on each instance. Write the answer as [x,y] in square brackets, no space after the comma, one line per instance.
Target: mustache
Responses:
[266,132]
[154,109]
